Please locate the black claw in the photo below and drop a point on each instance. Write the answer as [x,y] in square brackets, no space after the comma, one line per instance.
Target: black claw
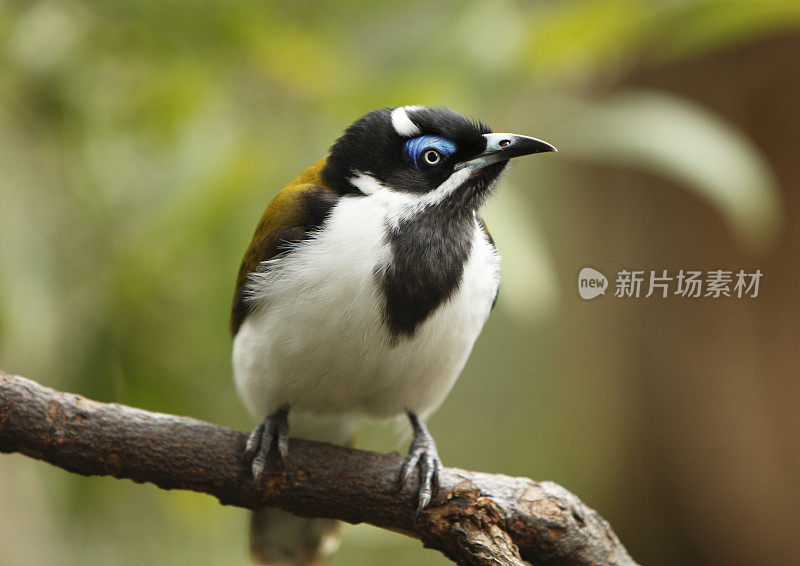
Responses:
[257,466]
[282,440]
[409,466]
[253,441]
[422,455]
[273,431]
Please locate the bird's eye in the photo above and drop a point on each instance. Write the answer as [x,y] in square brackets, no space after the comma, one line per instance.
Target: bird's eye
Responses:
[428,152]
[432,157]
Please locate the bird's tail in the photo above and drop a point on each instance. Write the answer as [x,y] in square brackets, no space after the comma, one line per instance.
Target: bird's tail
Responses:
[278,538]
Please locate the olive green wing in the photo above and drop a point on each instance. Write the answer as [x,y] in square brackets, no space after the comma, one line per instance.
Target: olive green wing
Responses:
[290,218]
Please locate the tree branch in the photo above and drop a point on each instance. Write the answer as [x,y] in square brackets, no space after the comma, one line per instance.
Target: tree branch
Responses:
[476,519]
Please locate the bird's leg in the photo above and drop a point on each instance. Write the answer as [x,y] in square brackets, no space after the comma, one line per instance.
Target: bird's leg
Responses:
[422,454]
[273,431]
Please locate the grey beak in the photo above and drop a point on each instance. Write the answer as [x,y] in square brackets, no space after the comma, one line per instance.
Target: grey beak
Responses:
[501,147]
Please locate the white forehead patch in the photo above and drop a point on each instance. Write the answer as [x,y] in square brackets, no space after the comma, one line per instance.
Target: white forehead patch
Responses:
[366,183]
[402,123]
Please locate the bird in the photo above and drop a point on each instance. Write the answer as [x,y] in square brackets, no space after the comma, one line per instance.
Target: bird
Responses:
[368,279]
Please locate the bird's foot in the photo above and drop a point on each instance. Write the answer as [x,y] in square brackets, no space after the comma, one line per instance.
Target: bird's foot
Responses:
[422,455]
[273,432]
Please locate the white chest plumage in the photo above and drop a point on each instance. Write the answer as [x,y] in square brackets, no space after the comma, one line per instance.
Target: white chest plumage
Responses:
[318,340]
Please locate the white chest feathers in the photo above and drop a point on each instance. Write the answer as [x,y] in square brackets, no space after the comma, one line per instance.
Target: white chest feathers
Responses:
[318,340]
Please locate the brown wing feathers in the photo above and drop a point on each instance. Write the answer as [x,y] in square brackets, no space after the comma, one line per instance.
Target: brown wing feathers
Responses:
[299,208]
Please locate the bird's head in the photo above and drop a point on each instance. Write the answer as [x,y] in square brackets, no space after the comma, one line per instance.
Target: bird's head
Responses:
[434,155]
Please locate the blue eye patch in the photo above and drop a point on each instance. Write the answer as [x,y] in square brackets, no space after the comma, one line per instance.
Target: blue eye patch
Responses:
[415,148]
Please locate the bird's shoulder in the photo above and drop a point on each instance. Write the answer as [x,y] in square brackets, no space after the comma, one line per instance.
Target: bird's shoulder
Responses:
[485,230]
[295,211]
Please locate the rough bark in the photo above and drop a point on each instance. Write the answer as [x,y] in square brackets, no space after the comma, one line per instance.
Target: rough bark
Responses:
[476,518]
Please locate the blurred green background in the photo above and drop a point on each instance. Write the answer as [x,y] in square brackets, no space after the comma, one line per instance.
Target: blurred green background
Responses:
[140,142]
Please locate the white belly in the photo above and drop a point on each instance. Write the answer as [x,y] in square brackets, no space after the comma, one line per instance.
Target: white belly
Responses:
[319,341]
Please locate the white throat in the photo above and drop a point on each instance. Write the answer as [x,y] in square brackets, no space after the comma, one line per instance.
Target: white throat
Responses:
[405,205]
